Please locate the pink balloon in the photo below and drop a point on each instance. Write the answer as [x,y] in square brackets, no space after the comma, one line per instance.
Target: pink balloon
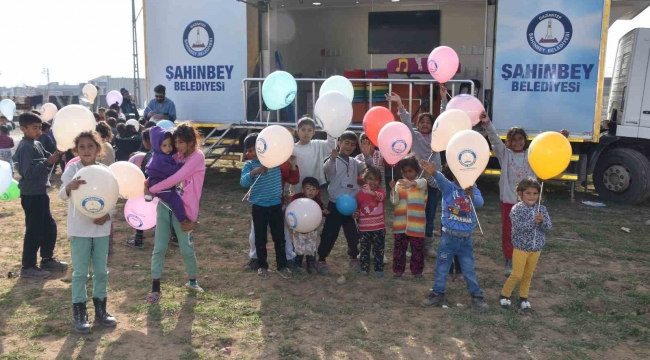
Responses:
[469,104]
[395,140]
[113,97]
[443,63]
[74,160]
[137,159]
[140,213]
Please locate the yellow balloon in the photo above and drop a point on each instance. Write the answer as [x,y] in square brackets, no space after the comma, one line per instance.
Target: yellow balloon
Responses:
[549,154]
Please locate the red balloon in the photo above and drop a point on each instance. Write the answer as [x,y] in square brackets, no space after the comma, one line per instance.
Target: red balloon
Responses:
[374,121]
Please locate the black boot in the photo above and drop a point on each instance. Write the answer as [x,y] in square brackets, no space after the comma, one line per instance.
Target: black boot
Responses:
[298,260]
[81,324]
[311,264]
[101,315]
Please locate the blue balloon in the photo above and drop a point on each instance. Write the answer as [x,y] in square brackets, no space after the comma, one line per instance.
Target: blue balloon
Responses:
[166,124]
[279,90]
[346,204]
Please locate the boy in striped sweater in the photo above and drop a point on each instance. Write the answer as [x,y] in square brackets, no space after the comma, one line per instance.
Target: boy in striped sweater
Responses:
[458,223]
[409,195]
[266,198]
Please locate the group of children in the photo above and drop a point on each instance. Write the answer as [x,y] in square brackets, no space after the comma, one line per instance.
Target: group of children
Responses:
[175,169]
[414,197]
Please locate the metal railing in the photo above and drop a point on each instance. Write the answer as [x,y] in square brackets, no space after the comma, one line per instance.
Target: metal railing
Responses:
[249,83]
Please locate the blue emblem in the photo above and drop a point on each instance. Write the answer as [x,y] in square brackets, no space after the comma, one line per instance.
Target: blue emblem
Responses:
[198,38]
[134,221]
[467,158]
[549,32]
[260,146]
[292,220]
[398,146]
[92,204]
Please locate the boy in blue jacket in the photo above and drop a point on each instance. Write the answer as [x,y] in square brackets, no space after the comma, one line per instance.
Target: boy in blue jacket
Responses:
[458,223]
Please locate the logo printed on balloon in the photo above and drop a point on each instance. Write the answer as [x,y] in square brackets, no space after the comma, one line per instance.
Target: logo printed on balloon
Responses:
[398,146]
[289,98]
[198,38]
[292,220]
[92,204]
[260,146]
[134,221]
[467,158]
[432,65]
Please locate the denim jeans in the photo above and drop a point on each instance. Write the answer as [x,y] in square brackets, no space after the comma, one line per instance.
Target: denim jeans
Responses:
[463,247]
[430,210]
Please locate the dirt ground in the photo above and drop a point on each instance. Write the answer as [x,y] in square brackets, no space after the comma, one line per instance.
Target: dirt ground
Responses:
[590,294]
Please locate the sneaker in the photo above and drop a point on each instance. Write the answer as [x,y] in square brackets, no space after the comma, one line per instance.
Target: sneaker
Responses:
[354,264]
[505,303]
[263,273]
[397,276]
[196,288]
[508,268]
[385,260]
[364,273]
[379,274]
[54,265]
[419,276]
[134,243]
[285,273]
[251,265]
[526,308]
[34,272]
[311,264]
[433,300]
[479,303]
[322,268]
[294,267]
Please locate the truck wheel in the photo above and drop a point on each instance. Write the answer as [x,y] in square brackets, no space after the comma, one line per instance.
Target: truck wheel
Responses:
[623,176]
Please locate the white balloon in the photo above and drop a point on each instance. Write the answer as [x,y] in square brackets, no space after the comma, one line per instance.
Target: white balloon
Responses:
[333,112]
[447,125]
[130,179]
[113,97]
[98,195]
[337,83]
[303,215]
[5,176]
[8,108]
[70,122]
[48,111]
[274,146]
[467,155]
[90,92]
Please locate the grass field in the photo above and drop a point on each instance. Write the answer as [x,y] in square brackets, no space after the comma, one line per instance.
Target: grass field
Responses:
[591,295]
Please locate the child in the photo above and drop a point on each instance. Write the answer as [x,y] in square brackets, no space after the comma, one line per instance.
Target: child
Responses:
[372,223]
[188,182]
[108,154]
[266,198]
[89,239]
[422,148]
[409,195]
[306,244]
[342,172]
[289,177]
[377,159]
[162,166]
[45,138]
[102,114]
[458,223]
[6,144]
[34,164]
[530,223]
[138,237]
[310,154]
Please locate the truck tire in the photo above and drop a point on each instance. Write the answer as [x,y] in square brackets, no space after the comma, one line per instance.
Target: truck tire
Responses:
[622,175]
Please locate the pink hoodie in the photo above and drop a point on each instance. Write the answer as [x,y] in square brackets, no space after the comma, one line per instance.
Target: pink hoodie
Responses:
[188,181]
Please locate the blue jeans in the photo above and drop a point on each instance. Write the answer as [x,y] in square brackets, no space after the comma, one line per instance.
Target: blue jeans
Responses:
[463,247]
[430,210]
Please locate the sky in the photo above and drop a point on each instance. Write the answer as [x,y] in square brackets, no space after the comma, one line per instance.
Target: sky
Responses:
[79,40]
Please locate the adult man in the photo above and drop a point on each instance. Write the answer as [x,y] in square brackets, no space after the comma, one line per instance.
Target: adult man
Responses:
[161,108]
[128,107]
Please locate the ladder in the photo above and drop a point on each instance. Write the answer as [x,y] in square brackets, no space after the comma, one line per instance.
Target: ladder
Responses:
[226,142]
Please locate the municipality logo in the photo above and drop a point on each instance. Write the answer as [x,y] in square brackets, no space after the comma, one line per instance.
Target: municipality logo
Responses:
[134,220]
[92,204]
[292,220]
[467,158]
[260,146]
[398,146]
[549,32]
[198,38]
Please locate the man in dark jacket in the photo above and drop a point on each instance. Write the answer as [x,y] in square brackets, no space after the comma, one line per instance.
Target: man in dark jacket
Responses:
[128,107]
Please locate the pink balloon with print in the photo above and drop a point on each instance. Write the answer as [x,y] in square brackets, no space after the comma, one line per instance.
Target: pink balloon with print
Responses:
[140,214]
[469,104]
[395,141]
[74,160]
[443,63]
[137,159]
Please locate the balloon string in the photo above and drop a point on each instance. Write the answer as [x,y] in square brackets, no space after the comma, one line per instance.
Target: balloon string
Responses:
[539,204]
[428,160]
[51,171]
[475,214]
[251,188]
[392,175]
[268,116]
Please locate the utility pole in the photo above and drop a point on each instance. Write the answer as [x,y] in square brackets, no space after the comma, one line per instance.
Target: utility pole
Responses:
[46,72]
[136,67]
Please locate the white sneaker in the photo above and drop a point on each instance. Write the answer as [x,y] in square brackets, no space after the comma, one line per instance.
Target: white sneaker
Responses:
[525,307]
[385,260]
[196,288]
[505,303]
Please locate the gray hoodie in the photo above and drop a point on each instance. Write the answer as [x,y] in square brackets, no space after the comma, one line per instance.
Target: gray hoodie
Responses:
[34,172]
[514,167]
[343,176]
[421,147]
